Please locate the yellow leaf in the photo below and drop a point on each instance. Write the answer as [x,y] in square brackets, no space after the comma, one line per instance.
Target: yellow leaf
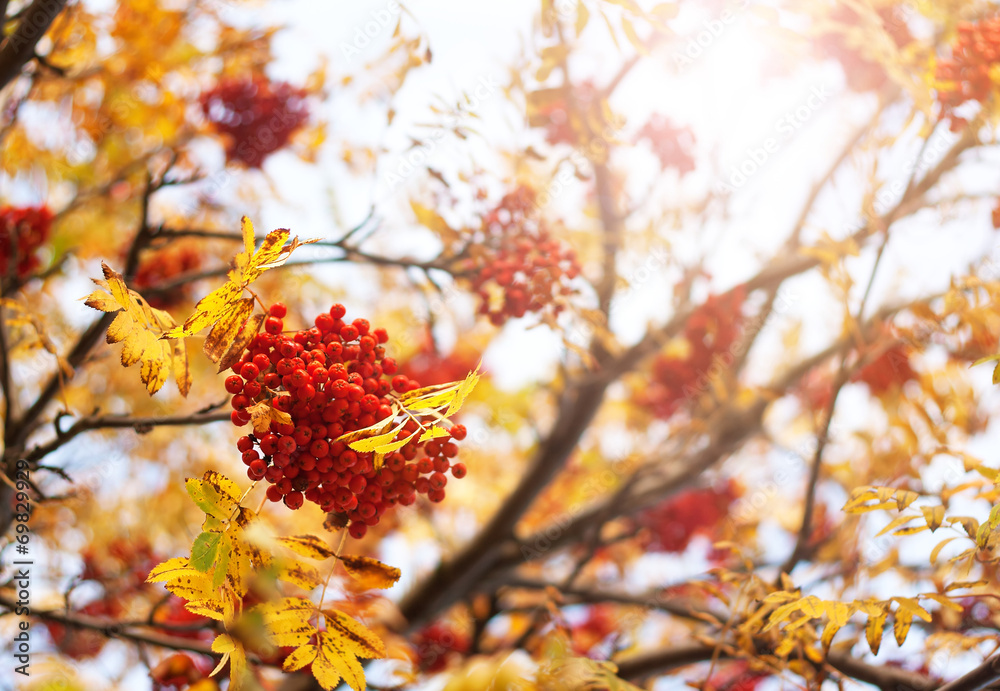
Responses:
[369,572]
[224,300]
[289,632]
[348,437]
[934,515]
[232,651]
[240,343]
[873,631]
[944,601]
[138,328]
[911,605]
[213,609]
[224,333]
[299,658]
[296,608]
[895,523]
[182,579]
[582,17]
[425,393]
[368,444]
[464,389]
[904,498]
[213,494]
[340,646]
[433,433]
[361,640]
[838,613]
[310,546]
[901,627]
[302,575]
[937,548]
[431,219]
[168,569]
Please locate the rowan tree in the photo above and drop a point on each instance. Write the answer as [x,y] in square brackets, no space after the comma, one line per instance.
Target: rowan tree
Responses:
[569,383]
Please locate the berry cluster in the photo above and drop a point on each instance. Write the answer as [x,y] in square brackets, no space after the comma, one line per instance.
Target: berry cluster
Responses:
[966,76]
[888,371]
[710,332]
[22,231]
[333,379]
[556,116]
[429,366]
[119,568]
[862,73]
[672,144]
[169,262]
[438,644]
[601,623]
[515,264]
[671,525]
[258,115]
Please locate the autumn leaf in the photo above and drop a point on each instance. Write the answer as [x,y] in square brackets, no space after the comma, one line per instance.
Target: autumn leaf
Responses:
[214,493]
[370,573]
[297,573]
[232,652]
[139,328]
[311,546]
[339,648]
[263,413]
[225,309]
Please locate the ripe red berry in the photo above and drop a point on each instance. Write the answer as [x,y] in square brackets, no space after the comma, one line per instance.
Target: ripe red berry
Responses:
[293,500]
[458,432]
[458,470]
[249,371]
[256,470]
[357,530]
[244,444]
[338,311]
[234,384]
[278,310]
[263,362]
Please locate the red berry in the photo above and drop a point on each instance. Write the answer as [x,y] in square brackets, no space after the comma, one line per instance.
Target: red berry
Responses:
[458,432]
[458,470]
[249,371]
[357,530]
[293,500]
[338,311]
[258,469]
[234,384]
[262,361]
[278,310]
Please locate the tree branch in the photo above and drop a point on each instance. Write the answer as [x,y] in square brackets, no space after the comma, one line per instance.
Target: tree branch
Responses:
[113,629]
[140,424]
[19,47]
